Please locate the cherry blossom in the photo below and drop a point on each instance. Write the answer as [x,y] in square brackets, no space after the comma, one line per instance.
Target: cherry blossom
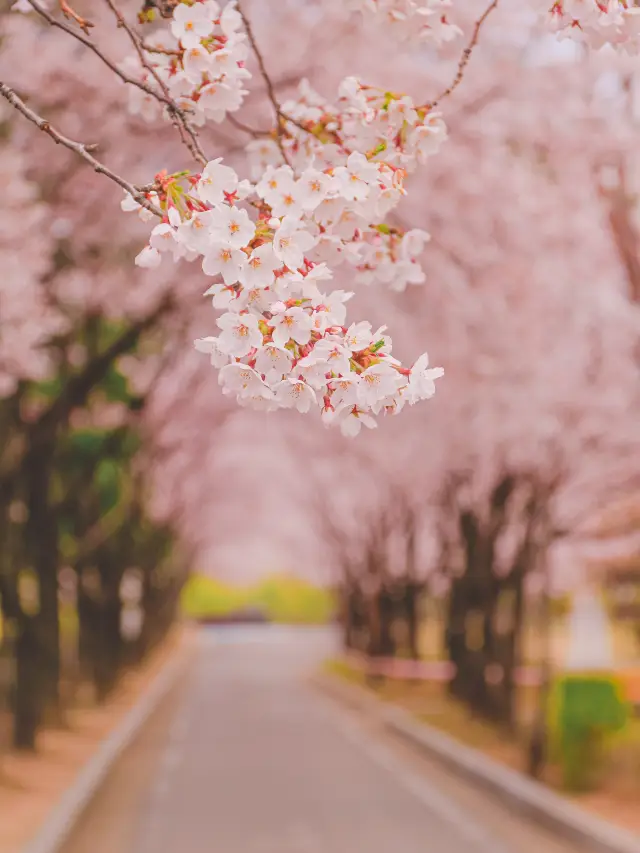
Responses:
[215,181]
[411,20]
[598,22]
[225,260]
[192,23]
[323,181]
[240,334]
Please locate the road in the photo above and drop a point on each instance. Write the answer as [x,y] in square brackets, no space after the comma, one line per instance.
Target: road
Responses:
[247,757]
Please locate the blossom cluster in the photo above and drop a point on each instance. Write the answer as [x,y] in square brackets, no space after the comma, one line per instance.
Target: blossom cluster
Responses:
[283,342]
[323,183]
[598,22]
[200,61]
[395,135]
[416,21]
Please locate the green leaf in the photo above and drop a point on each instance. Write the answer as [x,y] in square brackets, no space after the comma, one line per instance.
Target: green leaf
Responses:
[107,481]
[87,443]
[116,387]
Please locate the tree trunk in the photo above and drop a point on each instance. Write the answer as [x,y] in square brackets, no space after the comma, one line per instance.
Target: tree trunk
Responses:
[108,647]
[42,544]
[348,618]
[29,688]
[455,636]
[508,710]
[411,600]
[87,615]
[387,646]
[107,651]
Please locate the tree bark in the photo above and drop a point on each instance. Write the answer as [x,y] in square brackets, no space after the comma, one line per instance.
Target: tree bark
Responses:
[42,552]
[29,688]
[411,600]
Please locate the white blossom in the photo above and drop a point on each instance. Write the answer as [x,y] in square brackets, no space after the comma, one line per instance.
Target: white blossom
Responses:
[240,334]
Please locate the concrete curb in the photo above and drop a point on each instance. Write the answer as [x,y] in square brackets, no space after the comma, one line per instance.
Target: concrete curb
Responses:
[58,826]
[531,799]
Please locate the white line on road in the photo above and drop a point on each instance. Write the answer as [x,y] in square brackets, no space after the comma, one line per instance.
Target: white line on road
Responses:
[482,839]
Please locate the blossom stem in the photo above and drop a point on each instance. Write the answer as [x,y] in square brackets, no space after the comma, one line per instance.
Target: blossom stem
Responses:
[165,51]
[163,97]
[68,12]
[178,116]
[466,56]
[252,131]
[268,82]
[84,151]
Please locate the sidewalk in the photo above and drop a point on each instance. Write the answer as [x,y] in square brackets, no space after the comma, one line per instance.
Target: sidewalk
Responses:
[32,785]
[427,702]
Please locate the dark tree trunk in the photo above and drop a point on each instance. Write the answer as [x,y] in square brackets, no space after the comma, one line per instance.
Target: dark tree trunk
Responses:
[42,544]
[508,711]
[455,636]
[411,600]
[107,653]
[348,617]
[87,616]
[373,624]
[29,688]
[108,646]
[387,646]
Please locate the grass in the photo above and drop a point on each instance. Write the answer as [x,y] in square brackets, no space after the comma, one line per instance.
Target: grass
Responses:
[283,598]
[619,793]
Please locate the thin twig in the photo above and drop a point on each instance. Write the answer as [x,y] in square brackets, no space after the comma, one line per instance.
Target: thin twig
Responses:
[68,12]
[94,48]
[466,56]
[165,51]
[84,151]
[163,97]
[180,120]
[252,131]
[268,82]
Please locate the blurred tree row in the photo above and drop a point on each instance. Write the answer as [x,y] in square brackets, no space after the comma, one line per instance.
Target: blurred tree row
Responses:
[89,583]
[475,562]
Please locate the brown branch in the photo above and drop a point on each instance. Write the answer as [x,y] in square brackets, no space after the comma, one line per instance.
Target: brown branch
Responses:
[78,148]
[165,51]
[268,83]
[68,12]
[94,48]
[163,97]
[246,129]
[623,230]
[178,116]
[466,56]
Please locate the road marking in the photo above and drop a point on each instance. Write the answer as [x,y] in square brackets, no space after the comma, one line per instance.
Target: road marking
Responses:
[443,807]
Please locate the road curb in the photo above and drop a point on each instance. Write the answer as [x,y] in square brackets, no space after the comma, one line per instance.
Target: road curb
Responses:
[531,799]
[63,818]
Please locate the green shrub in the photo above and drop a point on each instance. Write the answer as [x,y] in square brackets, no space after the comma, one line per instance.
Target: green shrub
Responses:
[203,596]
[289,599]
[589,709]
[282,598]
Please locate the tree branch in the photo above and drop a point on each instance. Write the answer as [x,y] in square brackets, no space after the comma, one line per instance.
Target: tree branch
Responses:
[466,56]
[68,12]
[256,134]
[178,116]
[162,97]
[280,116]
[79,148]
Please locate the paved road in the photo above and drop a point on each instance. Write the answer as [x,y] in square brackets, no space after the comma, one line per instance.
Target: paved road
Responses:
[246,757]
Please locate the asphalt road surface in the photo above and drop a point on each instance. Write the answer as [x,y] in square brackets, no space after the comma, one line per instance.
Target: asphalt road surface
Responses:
[247,757]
